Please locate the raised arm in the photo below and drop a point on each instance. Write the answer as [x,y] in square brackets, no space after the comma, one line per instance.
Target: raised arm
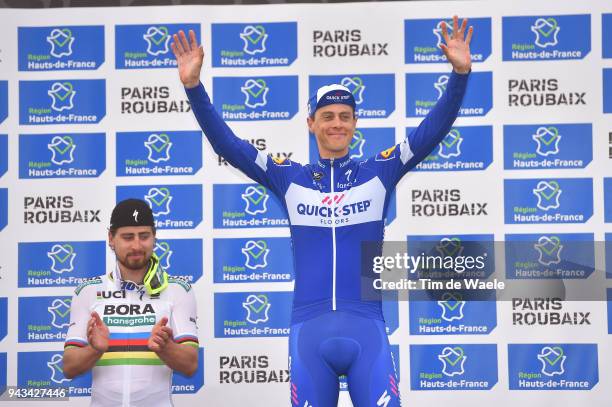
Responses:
[239,153]
[436,125]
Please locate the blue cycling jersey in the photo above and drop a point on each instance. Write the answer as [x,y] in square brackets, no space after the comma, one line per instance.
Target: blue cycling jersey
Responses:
[333,205]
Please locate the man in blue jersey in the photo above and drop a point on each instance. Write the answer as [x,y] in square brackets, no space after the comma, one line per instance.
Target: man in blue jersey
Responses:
[333,205]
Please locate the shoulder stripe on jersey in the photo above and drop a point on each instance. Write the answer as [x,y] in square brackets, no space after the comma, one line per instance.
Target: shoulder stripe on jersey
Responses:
[262,160]
[405,152]
[75,343]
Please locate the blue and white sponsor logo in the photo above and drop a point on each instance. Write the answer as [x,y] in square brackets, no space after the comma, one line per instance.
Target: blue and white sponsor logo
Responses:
[374,93]
[60,48]
[252,314]
[246,205]
[453,367]
[61,155]
[463,149]
[608,250]
[173,206]
[147,46]
[3,100]
[607,90]
[3,208]
[254,44]
[552,366]
[452,313]
[561,200]
[46,369]
[366,143]
[548,146]
[159,153]
[182,384]
[424,89]
[4,319]
[422,39]
[530,38]
[252,260]
[43,319]
[3,154]
[181,257]
[606,35]
[462,256]
[59,264]
[256,97]
[607,185]
[62,102]
[609,292]
[550,255]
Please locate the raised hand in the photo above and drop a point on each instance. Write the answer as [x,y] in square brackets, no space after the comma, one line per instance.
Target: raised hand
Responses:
[189,57]
[457,46]
[161,336]
[97,333]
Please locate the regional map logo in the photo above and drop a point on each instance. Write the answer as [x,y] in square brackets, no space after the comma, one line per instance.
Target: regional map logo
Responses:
[466,312]
[173,206]
[256,98]
[422,39]
[246,205]
[80,101]
[374,93]
[463,149]
[262,314]
[43,319]
[45,369]
[181,257]
[424,89]
[61,155]
[147,46]
[568,200]
[551,146]
[559,366]
[159,153]
[558,255]
[254,44]
[60,48]
[559,37]
[453,367]
[59,264]
[252,260]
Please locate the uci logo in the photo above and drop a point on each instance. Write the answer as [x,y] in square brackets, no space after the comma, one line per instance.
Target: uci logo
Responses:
[110,294]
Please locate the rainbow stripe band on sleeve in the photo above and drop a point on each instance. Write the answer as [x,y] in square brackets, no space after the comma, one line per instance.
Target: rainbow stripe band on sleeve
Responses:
[75,343]
[187,339]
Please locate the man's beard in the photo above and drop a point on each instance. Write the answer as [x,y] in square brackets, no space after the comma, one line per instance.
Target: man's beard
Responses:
[134,264]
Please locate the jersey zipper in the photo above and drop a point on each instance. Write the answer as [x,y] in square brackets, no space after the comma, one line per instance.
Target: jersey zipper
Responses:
[333,237]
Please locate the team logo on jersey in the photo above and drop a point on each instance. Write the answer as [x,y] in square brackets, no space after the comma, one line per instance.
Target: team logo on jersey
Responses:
[388,154]
[546,37]
[423,37]
[552,366]
[254,44]
[60,48]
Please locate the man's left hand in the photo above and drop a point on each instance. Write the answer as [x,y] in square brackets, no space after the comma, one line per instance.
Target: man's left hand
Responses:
[457,46]
[161,336]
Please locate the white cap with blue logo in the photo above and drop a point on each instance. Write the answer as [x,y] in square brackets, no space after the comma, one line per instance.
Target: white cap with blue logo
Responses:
[329,95]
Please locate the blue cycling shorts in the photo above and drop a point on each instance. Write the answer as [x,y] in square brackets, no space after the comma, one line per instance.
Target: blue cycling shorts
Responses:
[338,343]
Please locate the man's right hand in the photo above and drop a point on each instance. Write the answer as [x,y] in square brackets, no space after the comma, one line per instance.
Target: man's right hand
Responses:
[97,333]
[189,57]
